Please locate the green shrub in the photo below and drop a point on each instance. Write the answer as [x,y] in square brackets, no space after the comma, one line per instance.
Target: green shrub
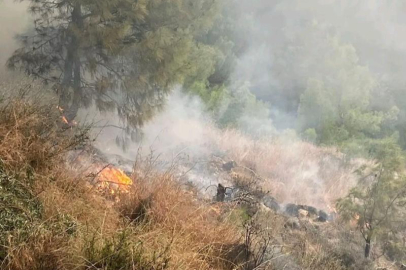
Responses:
[310,135]
[122,252]
[19,208]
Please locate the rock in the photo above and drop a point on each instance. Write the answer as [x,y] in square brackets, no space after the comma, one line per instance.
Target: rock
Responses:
[323,216]
[231,194]
[228,166]
[310,209]
[303,213]
[292,210]
[271,203]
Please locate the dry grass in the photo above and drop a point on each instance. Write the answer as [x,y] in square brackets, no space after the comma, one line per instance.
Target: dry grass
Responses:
[31,133]
[273,244]
[79,229]
[159,224]
[168,215]
[294,171]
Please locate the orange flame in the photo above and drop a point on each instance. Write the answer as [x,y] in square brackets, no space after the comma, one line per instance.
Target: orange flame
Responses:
[65,120]
[116,176]
[113,181]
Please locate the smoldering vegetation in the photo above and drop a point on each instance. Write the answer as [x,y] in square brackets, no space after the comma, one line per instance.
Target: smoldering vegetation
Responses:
[52,217]
[292,170]
[203,135]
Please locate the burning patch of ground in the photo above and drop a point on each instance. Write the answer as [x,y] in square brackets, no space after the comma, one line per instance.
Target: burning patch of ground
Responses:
[51,218]
[107,178]
[292,170]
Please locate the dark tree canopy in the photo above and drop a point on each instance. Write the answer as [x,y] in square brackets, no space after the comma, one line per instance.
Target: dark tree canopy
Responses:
[119,54]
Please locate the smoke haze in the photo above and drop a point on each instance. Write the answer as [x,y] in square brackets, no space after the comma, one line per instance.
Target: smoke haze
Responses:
[286,43]
[14,20]
[284,40]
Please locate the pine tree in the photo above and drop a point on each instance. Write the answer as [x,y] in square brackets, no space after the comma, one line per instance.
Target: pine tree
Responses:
[336,101]
[378,202]
[119,54]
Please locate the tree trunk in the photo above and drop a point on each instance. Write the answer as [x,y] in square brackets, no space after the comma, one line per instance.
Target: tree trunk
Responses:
[367,247]
[77,91]
[72,70]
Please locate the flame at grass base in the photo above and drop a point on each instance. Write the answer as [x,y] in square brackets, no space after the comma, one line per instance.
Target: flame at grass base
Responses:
[114,175]
[64,119]
[113,181]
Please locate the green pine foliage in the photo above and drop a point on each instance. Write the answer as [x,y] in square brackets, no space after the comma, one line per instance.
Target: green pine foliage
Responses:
[336,102]
[119,54]
[237,108]
[379,199]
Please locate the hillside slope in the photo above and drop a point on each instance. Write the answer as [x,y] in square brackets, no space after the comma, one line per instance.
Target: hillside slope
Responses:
[54,218]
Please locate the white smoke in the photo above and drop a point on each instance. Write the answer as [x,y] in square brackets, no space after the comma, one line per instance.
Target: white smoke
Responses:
[14,20]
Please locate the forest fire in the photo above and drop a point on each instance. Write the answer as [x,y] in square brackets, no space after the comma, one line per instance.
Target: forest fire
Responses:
[114,175]
[64,119]
[113,180]
[104,176]
[108,179]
